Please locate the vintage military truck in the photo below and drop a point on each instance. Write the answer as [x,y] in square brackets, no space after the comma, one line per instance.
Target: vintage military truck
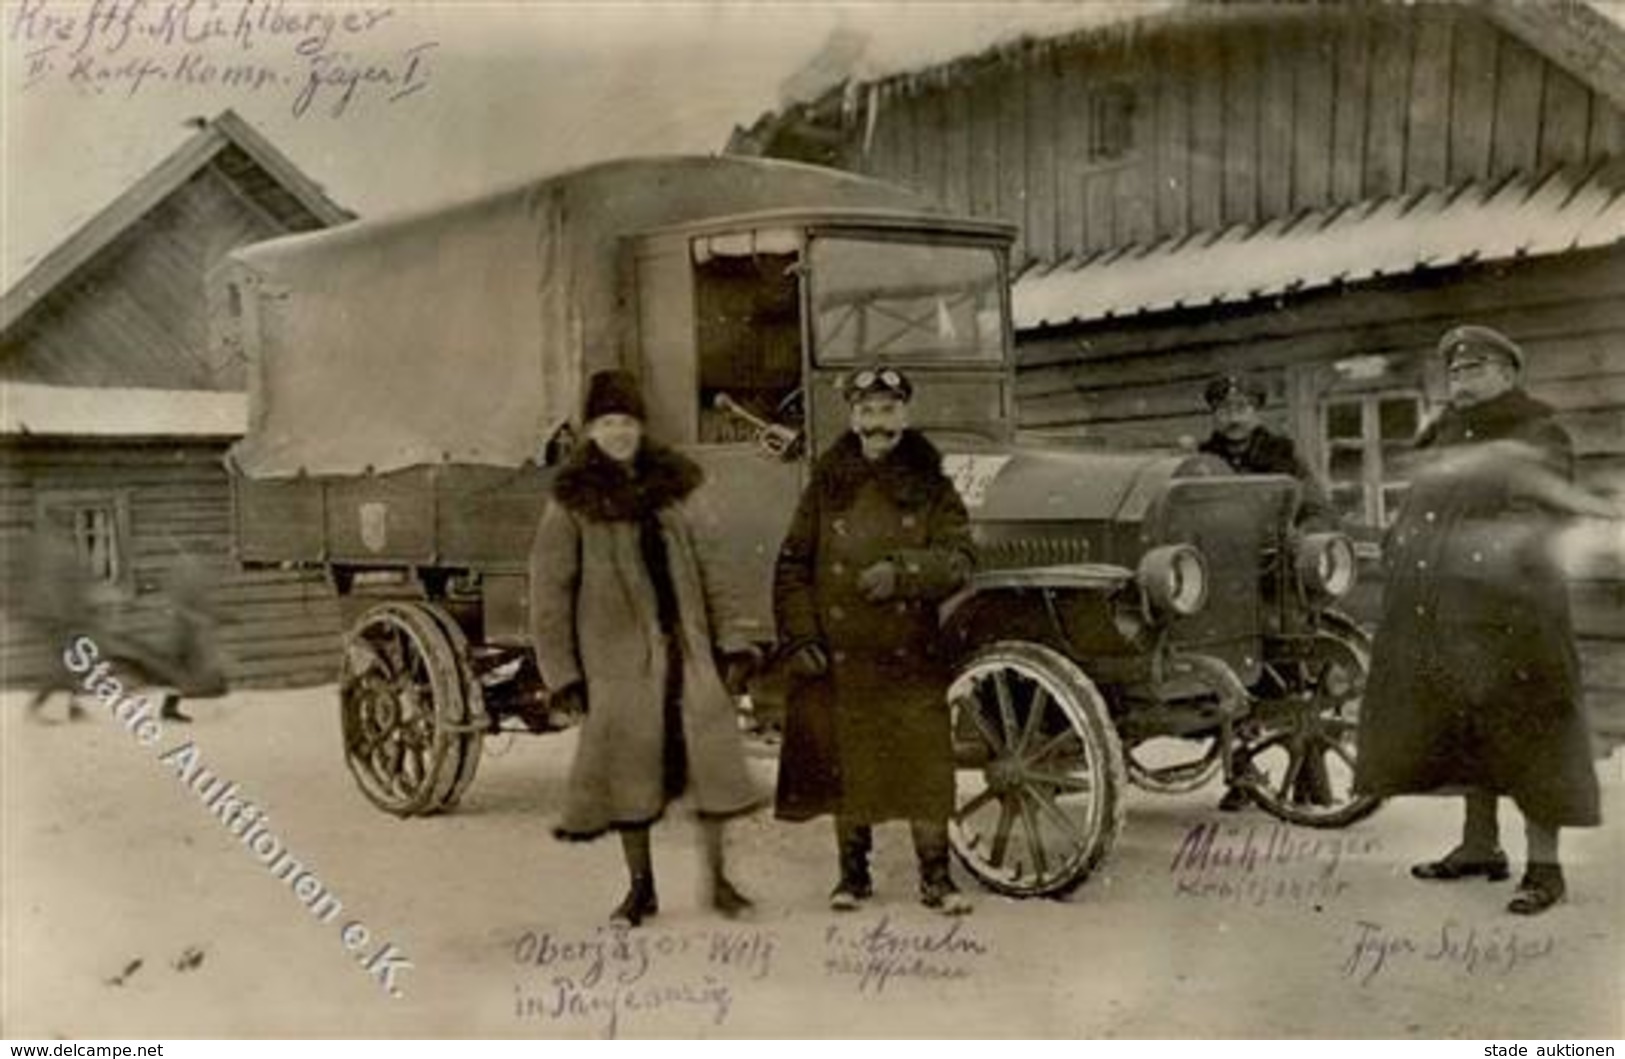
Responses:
[1139,617]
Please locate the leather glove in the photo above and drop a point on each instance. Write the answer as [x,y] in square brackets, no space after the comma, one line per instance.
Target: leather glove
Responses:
[879,582]
[737,667]
[809,660]
[570,700]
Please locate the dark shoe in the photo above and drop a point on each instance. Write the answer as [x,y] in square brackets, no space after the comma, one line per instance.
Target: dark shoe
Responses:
[940,895]
[171,711]
[1541,888]
[639,904]
[849,894]
[1234,801]
[728,901]
[1459,865]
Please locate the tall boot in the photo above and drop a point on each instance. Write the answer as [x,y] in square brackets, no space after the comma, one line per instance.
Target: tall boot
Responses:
[640,901]
[937,889]
[853,842]
[725,897]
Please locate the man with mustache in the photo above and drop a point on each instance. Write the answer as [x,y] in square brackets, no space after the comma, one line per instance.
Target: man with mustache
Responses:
[879,538]
[1241,440]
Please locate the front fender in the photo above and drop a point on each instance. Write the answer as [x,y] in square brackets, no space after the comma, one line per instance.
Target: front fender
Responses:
[1083,609]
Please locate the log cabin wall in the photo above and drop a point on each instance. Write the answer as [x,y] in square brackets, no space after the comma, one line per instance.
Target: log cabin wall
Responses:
[1231,115]
[277,628]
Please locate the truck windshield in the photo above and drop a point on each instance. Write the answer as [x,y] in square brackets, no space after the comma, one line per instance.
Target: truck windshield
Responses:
[878,299]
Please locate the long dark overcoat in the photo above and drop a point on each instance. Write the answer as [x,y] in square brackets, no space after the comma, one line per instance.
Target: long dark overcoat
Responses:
[870,740]
[1474,677]
[595,618]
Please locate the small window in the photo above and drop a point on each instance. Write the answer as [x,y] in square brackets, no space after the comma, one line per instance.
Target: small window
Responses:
[95,530]
[1365,438]
[1111,123]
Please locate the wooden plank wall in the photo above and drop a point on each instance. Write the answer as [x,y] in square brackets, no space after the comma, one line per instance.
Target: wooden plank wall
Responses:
[140,315]
[1238,120]
[280,627]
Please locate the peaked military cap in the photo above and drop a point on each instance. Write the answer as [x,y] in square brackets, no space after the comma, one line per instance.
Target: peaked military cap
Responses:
[1462,341]
[1219,390]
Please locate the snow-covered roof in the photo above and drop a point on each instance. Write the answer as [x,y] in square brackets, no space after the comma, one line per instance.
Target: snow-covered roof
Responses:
[1526,217]
[36,410]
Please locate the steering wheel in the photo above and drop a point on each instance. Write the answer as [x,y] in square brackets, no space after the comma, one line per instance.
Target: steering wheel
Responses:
[794,406]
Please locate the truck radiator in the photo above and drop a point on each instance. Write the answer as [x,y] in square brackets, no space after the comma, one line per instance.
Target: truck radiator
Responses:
[1020,552]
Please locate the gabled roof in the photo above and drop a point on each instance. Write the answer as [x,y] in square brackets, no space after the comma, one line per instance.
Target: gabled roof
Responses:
[1525,217]
[209,143]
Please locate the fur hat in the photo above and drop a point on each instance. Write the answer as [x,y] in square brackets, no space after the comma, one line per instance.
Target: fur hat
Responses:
[1460,341]
[613,392]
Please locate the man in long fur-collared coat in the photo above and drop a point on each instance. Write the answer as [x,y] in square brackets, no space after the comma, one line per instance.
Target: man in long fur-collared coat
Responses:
[629,615]
[879,538]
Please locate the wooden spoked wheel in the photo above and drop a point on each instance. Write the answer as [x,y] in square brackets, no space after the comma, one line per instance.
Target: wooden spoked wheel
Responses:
[406,717]
[1039,771]
[1296,751]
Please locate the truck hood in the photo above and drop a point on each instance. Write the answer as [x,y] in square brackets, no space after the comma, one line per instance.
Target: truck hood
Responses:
[1053,482]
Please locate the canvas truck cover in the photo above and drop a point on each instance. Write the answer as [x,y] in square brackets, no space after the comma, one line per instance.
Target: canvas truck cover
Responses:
[464,334]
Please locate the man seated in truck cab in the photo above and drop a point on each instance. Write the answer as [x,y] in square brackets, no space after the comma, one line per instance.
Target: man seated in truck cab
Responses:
[1241,440]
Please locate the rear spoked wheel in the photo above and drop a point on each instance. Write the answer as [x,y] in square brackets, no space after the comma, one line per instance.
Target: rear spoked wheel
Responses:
[408,739]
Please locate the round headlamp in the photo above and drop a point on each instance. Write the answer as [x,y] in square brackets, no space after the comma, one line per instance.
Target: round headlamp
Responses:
[1326,564]
[1174,579]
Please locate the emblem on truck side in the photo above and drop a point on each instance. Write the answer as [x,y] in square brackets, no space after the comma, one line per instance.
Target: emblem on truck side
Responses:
[972,475]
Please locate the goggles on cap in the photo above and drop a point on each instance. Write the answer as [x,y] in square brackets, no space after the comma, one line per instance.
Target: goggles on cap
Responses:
[870,379]
[866,379]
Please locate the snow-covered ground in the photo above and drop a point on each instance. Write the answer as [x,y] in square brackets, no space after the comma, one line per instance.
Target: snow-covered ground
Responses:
[130,910]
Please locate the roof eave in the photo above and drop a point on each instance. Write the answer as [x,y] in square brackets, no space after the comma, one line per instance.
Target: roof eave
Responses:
[102,230]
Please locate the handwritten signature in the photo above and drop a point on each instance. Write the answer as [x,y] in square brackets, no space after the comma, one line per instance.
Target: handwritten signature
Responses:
[607,975]
[882,951]
[324,59]
[1472,950]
